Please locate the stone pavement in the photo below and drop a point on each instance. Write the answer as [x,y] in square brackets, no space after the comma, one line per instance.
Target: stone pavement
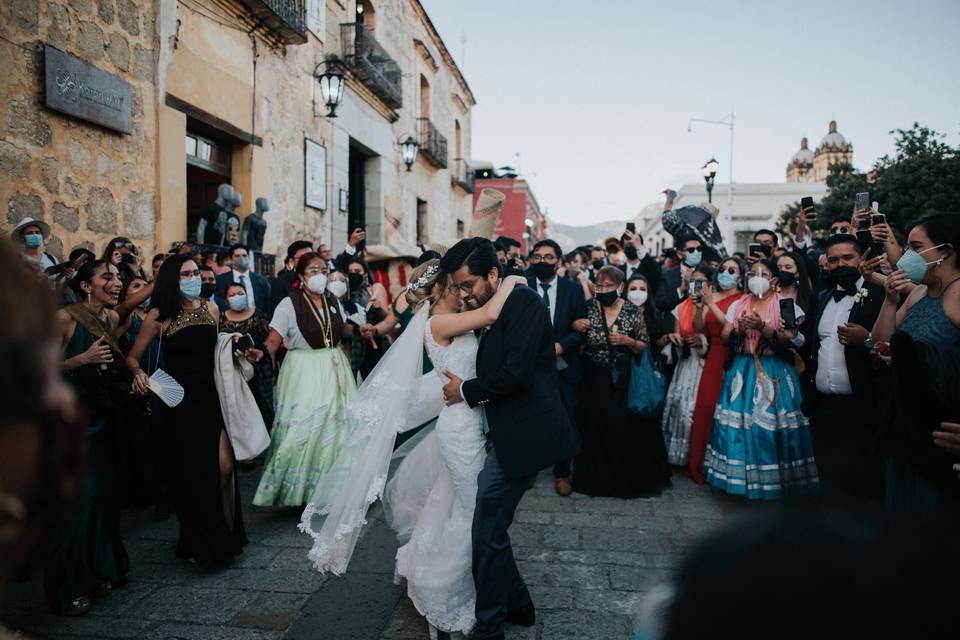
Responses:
[588,562]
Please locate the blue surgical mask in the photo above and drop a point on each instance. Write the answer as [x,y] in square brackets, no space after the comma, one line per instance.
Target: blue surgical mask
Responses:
[726,280]
[190,288]
[33,240]
[238,302]
[913,264]
[693,258]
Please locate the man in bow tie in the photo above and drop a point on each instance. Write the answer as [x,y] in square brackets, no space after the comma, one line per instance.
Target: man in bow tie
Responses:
[843,399]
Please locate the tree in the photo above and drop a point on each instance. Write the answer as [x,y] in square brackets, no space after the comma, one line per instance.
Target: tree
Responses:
[923,176]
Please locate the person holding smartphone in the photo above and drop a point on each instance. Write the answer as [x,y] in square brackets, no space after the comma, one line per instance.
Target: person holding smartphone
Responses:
[760,444]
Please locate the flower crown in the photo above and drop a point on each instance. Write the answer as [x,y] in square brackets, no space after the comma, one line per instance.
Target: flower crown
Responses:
[425,277]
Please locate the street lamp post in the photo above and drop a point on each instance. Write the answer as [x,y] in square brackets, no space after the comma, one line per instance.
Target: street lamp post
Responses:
[709,175]
[727,121]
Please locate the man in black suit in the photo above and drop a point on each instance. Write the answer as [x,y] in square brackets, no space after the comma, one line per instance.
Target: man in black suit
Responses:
[283,283]
[639,261]
[527,427]
[258,289]
[674,283]
[842,398]
[564,301]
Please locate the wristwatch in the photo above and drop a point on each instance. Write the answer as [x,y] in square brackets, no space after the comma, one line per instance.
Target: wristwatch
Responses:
[870,345]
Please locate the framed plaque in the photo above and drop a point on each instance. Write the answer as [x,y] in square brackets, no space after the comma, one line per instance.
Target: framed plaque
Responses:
[315,168]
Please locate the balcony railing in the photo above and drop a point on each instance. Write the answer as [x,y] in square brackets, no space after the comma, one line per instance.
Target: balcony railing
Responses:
[371,64]
[433,146]
[286,18]
[462,175]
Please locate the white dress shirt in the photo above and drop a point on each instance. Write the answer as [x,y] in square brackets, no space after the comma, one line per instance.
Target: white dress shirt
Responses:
[632,268]
[832,375]
[551,296]
[247,285]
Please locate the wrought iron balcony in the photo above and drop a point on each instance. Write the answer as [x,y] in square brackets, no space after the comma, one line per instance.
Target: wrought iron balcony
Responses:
[462,175]
[371,64]
[433,146]
[286,18]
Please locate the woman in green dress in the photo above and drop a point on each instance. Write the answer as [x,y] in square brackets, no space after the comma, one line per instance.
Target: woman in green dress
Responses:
[86,558]
[316,382]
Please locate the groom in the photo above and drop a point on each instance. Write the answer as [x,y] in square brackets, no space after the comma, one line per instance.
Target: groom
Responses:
[527,428]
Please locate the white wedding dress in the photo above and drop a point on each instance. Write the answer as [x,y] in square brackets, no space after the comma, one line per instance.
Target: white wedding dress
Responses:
[437,560]
[431,496]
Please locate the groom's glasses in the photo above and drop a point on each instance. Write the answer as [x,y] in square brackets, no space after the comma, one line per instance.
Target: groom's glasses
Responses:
[548,258]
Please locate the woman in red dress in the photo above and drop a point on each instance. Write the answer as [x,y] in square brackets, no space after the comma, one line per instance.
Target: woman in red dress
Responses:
[708,319]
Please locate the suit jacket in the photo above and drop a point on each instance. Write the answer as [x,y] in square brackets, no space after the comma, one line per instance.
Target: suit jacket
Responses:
[517,385]
[666,297]
[261,290]
[858,359]
[649,269]
[280,289]
[570,307]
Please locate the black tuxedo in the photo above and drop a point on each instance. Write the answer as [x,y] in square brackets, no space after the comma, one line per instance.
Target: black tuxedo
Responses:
[666,297]
[649,269]
[845,426]
[261,290]
[517,386]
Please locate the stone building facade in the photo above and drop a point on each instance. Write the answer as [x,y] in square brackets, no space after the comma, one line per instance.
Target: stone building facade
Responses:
[814,166]
[224,91]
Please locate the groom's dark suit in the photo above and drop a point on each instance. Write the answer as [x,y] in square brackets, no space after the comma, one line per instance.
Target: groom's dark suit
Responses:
[529,430]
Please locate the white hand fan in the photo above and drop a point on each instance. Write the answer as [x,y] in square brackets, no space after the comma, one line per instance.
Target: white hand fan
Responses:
[166,388]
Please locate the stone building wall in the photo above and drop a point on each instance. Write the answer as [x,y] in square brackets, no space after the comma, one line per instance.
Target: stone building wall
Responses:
[88,183]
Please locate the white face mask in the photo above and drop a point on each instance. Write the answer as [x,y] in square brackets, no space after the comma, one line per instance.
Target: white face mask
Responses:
[637,296]
[318,283]
[758,285]
[337,288]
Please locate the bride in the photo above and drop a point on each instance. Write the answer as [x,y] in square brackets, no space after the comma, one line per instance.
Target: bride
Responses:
[430,499]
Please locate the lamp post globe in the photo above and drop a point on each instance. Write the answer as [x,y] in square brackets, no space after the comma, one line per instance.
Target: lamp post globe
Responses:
[408,150]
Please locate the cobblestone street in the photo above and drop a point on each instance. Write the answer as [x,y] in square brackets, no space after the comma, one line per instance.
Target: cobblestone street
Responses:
[588,562]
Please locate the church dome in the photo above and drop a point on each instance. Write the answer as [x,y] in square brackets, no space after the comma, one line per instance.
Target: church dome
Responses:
[804,156]
[833,138]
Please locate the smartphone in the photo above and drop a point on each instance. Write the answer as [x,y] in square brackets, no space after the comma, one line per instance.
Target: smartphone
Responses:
[788,313]
[865,240]
[878,218]
[766,250]
[243,343]
[696,288]
[631,227]
[806,202]
[363,243]
[863,201]
[754,248]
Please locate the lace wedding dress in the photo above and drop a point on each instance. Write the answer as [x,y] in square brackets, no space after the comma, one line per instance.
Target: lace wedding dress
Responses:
[430,499]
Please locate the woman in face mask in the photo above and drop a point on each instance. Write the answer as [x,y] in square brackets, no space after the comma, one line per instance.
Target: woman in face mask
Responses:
[316,382]
[689,356]
[792,280]
[238,317]
[366,351]
[205,490]
[760,444]
[622,454]
[708,319]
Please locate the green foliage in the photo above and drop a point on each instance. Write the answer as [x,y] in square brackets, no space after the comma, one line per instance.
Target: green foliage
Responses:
[922,176]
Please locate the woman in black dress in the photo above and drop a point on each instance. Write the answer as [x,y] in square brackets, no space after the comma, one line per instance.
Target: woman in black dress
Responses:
[206,493]
[622,454]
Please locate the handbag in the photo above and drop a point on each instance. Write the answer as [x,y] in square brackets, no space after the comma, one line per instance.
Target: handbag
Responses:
[648,386]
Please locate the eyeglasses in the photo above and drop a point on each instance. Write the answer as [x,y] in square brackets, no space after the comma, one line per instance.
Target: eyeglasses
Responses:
[548,258]
[606,288]
[465,287]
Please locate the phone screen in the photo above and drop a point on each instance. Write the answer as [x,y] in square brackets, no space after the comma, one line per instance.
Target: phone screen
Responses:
[863,200]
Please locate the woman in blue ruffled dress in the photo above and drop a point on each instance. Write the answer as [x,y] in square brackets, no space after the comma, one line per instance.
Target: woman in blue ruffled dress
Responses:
[761,445]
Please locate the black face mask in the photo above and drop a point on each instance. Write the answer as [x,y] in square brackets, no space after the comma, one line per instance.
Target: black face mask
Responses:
[607,298]
[843,277]
[630,251]
[355,280]
[597,265]
[542,270]
[787,279]
[207,290]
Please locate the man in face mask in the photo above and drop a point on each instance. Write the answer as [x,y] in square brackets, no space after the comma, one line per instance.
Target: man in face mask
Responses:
[564,301]
[842,403]
[32,235]
[208,282]
[598,260]
[638,260]
[675,283]
[257,287]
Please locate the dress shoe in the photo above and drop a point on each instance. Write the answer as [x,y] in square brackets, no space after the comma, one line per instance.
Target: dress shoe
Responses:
[524,616]
[563,486]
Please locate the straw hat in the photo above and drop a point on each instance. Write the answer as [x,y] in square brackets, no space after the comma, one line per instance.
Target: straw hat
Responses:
[486,213]
[30,222]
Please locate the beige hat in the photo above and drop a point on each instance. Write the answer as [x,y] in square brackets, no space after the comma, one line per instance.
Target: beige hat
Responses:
[30,222]
[486,213]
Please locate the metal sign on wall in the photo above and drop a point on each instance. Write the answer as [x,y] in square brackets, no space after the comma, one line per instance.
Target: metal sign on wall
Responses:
[86,92]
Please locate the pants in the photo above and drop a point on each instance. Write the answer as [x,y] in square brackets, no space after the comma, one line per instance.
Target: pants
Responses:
[499,585]
[569,397]
[843,447]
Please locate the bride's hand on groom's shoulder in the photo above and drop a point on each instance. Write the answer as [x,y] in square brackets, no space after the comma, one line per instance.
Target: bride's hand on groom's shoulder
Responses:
[515,280]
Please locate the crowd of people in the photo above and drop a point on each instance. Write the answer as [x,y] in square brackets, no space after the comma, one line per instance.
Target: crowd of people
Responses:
[804,367]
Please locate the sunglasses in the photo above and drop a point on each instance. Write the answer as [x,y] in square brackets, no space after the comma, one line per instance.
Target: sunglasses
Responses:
[731,270]
[692,249]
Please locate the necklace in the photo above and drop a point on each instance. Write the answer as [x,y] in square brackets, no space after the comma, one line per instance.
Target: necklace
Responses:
[326,326]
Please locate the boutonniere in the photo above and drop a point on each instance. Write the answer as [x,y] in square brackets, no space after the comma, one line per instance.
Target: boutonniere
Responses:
[861,296]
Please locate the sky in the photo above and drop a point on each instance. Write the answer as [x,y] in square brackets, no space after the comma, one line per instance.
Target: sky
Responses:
[595,95]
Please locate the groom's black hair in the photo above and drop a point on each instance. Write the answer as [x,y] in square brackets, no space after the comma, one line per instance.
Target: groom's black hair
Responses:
[479,254]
